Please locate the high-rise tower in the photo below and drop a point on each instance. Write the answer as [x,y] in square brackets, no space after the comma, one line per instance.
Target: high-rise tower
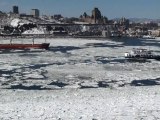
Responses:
[15,10]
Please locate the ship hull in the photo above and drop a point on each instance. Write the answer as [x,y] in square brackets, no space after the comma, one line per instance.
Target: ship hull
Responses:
[157,57]
[24,46]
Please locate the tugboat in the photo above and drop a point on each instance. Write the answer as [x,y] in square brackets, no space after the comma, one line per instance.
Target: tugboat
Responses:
[141,54]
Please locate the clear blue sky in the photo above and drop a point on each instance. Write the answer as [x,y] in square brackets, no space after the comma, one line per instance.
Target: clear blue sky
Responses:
[73,8]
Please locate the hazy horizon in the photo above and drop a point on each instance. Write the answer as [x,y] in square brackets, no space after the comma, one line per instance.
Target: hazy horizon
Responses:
[74,8]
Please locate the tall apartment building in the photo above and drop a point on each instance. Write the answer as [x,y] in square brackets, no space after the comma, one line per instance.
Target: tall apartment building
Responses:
[35,12]
[15,10]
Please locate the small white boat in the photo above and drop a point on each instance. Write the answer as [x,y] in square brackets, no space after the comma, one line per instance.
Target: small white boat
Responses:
[148,37]
[138,53]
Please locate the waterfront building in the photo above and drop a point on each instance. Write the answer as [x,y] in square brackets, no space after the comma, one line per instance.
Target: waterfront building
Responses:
[155,33]
[106,33]
[24,15]
[35,12]
[124,22]
[57,16]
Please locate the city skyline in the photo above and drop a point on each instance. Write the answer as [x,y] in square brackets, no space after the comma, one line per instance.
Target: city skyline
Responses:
[74,8]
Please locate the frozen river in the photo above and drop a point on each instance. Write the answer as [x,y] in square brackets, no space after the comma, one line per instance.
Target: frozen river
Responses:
[80,79]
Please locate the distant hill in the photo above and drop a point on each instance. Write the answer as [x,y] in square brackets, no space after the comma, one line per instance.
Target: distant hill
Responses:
[141,20]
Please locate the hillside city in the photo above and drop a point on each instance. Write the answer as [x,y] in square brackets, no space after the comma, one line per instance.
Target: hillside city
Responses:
[88,67]
[15,23]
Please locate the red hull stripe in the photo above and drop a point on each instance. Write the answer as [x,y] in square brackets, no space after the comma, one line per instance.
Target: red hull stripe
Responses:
[24,46]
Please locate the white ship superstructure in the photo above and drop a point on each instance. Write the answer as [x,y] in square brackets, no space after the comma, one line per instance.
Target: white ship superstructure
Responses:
[137,53]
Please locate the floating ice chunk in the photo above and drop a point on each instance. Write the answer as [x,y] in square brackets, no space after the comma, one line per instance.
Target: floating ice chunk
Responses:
[34,76]
[5,75]
[89,84]
[3,79]
[26,72]
[70,76]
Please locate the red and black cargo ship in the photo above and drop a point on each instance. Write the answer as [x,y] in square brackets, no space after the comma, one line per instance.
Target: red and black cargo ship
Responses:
[24,45]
